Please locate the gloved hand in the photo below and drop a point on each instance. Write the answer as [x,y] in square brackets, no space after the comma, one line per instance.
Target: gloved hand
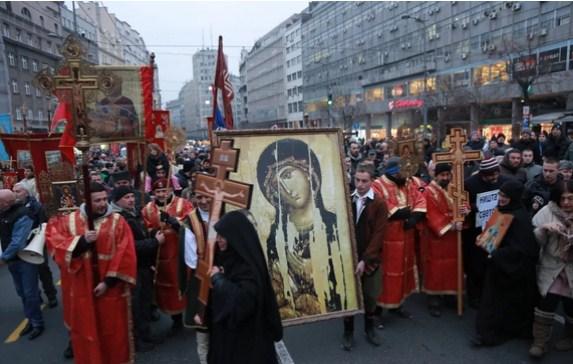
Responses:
[166,218]
[402,214]
[411,222]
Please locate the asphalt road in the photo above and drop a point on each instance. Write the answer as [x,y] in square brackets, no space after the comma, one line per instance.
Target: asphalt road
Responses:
[423,339]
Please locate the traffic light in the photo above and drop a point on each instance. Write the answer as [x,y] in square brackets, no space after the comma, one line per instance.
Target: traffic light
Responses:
[329,99]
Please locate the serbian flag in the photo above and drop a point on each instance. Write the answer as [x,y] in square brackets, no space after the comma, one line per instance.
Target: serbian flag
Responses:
[223,83]
[63,113]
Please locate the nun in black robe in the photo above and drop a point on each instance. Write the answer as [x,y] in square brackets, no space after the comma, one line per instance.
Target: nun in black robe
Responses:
[509,288]
[243,316]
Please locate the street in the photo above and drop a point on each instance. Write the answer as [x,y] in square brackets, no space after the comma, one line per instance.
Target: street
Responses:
[424,339]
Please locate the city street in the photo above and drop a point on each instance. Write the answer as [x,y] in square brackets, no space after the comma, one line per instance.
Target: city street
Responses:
[423,339]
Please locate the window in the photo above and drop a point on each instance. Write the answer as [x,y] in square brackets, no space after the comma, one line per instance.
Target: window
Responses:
[289,78]
[293,76]
[11,59]
[300,107]
[42,21]
[299,74]
[26,13]
[56,28]
[490,73]
[15,87]
[18,114]
[24,63]
[300,90]
[29,39]
[290,108]
[27,89]
[6,30]
[18,35]
[40,115]
[289,92]
[375,94]
[30,115]
[35,66]
[38,92]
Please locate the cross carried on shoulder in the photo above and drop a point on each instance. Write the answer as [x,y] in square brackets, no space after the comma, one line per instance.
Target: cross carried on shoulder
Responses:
[222,190]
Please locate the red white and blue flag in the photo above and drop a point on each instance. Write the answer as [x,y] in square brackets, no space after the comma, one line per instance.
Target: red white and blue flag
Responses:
[223,83]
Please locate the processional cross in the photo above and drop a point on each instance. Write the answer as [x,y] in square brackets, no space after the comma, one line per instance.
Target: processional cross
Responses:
[222,190]
[74,76]
[457,156]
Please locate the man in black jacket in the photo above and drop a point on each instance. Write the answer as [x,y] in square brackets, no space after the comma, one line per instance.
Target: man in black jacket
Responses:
[146,244]
[537,191]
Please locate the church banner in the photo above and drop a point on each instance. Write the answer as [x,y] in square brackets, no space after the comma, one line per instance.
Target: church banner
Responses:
[303,218]
[118,110]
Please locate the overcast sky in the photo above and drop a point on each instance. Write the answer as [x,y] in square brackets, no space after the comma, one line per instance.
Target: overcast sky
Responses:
[176,30]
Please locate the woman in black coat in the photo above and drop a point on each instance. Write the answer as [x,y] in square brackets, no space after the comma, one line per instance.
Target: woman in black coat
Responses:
[510,292]
[243,316]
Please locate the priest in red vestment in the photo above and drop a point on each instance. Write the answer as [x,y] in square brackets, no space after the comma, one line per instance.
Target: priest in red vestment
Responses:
[406,208]
[439,242]
[167,212]
[96,292]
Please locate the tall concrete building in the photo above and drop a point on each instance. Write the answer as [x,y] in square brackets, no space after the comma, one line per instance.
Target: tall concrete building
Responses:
[204,64]
[390,65]
[108,34]
[175,109]
[31,34]
[293,76]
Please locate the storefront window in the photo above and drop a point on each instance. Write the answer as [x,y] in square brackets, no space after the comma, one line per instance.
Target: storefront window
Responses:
[554,60]
[398,90]
[375,94]
[490,73]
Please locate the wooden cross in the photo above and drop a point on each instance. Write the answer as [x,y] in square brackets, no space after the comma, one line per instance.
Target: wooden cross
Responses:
[222,190]
[457,156]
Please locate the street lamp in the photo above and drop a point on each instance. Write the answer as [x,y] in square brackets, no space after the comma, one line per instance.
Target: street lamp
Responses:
[419,20]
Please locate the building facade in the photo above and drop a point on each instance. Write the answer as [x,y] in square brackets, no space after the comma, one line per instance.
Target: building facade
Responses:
[175,111]
[86,31]
[388,65]
[293,76]
[31,34]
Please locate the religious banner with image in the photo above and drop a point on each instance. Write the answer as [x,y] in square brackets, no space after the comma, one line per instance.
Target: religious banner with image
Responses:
[303,218]
[120,106]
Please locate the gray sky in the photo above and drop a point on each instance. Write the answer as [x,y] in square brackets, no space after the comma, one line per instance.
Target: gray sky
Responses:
[175,30]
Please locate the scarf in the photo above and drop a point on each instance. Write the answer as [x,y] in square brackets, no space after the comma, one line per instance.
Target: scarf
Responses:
[565,243]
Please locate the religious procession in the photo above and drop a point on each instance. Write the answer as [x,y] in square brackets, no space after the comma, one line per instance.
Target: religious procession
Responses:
[128,237]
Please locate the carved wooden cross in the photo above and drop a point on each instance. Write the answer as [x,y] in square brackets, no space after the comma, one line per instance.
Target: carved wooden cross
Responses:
[222,190]
[457,156]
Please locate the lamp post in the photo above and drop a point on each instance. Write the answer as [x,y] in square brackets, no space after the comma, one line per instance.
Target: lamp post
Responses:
[419,20]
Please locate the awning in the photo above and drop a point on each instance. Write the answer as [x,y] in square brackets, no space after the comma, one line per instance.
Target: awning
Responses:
[546,118]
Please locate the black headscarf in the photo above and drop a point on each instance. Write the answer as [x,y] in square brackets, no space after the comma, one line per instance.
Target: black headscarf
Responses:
[520,234]
[243,241]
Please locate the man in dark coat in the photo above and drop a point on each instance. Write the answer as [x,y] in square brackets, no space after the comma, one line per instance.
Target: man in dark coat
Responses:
[146,244]
[509,291]
[488,179]
[537,191]
[243,315]
[510,166]
[370,215]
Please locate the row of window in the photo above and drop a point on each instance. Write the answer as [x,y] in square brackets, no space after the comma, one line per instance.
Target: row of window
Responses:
[295,91]
[294,61]
[293,76]
[25,63]
[27,89]
[28,38]
[292,36]
[295,107]
[293,47]
[29,115]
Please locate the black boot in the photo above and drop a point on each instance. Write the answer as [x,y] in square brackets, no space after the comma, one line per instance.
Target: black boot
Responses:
[371,336]
[177,325]
[434,306]
[347,338]
[69,352]
[401,312]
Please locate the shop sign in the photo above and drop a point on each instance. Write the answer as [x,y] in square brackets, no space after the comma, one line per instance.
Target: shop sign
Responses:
[405,104]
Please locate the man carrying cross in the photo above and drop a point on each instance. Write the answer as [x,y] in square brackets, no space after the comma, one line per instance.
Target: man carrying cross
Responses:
[167,212]
[439,242]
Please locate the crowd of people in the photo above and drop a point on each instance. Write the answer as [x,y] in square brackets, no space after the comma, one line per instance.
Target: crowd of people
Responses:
[136,253]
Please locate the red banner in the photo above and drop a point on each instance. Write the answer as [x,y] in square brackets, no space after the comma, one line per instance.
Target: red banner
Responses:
[159,125]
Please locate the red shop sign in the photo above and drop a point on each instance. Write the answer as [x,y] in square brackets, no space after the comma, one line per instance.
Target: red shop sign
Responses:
[405,104]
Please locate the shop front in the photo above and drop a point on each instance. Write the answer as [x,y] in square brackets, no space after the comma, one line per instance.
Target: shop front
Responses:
[493,127]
